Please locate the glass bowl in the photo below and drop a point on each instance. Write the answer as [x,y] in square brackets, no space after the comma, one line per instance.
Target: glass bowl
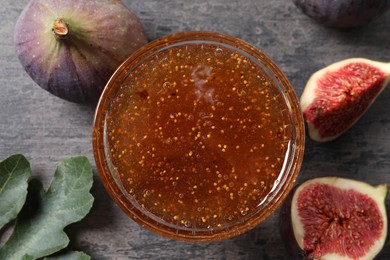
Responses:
[198,136]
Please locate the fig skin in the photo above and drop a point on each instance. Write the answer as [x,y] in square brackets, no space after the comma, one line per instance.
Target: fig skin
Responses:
[71,48]
[286,229]
[293,229]
[331,110]
[343,13]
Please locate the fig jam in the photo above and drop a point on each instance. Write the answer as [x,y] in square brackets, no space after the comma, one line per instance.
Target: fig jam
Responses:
[198,136]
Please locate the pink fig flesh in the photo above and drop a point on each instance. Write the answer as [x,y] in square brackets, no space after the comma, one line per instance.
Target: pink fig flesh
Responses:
[336,218]
[335,97]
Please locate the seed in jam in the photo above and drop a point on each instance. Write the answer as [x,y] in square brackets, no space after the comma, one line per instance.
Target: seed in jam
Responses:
[198,134]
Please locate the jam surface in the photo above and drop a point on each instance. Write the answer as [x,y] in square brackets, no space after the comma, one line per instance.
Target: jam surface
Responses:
[198,135]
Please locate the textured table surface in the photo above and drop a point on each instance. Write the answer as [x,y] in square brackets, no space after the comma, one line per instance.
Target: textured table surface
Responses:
[46,129]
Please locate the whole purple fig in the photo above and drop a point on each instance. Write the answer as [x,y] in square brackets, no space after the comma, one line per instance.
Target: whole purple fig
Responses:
[343,13]
[71,48]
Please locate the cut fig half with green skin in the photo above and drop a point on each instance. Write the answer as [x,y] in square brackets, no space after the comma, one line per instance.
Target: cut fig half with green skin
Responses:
[336,218]
[336,96]
[71,48]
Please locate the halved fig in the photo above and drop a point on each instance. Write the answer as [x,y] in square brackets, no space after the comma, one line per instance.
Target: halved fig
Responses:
[71,48]
[335,97]
[336,218]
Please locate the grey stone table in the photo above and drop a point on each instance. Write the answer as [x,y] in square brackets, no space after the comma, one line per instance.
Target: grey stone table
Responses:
[47,129]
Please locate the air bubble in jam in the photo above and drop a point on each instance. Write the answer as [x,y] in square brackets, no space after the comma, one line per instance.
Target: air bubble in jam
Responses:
[243,212]
[166,85]
[146,193]
[196,148]
[187,223]
[218,51]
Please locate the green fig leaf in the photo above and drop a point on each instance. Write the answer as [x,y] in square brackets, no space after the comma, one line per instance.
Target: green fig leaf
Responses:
[72,255]
[38,231]
[14,174]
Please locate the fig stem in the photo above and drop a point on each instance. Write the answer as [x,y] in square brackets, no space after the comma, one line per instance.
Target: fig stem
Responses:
[60,28]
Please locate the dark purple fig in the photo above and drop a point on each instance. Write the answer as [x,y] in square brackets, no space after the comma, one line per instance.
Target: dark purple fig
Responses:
[336,96]
[343,13]
[335,218]
[71,48]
